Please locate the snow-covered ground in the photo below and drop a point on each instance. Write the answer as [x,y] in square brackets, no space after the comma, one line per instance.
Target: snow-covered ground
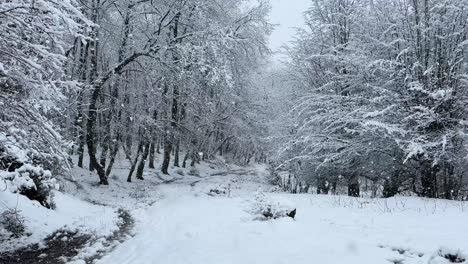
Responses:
[71,214]
[204,216]
[190,224]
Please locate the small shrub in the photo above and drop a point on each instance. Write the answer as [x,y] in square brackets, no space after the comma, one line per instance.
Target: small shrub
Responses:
[217,192]
[265,209]
[34,183]
[126,217]
[43,185]
[446,256]
[13,222]
[454,256]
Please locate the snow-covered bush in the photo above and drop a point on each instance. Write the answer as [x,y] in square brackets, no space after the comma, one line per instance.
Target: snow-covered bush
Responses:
[447,256]
[31,150]
[33,182]
[263,208]
[221,191]
[12,222]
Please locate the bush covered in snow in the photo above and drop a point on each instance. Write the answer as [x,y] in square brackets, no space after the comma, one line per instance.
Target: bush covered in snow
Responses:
[12,223]
[263,208]
[33,182]
[447,256]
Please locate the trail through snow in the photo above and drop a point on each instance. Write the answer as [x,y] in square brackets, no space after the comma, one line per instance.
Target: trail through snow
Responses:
[187,226]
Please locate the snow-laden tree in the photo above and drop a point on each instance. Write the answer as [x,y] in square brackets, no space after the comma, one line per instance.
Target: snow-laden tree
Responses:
[383,82]
[165,75]
[425,49]
[35,37]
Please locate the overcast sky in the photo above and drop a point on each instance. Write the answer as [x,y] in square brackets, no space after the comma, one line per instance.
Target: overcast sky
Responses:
[288,15]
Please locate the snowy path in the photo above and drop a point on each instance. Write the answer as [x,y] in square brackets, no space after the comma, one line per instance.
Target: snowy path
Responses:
[189,227]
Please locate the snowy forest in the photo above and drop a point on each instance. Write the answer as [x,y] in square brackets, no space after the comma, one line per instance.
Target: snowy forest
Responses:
[378,90]
[120,116]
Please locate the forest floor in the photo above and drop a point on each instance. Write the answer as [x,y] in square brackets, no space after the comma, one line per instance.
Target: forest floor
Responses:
[204,216]
[209,220]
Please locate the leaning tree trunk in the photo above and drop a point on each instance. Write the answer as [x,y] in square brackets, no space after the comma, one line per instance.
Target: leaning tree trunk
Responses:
[113,154]
[91,138]
[92,116]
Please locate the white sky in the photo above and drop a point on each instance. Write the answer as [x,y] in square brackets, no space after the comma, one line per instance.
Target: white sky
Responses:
[288,15]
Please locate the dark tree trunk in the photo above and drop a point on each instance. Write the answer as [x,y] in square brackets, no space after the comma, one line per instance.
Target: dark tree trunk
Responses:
[113,154]
[91,166]
[129,139]
[91,138]
[170,135]
[92,116]
[81,131]
[391,186]
[184,163]
[80,155]
[153,141]
[115,145]
[81,119]
[105,149]
[151,155]
[429,179]
[194,159]
[450,188]
[334,185]
[176,154]
[141,166]
[166,155]
[92,112]
[158,146]
[135,161]
[323,187]
[353,186]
